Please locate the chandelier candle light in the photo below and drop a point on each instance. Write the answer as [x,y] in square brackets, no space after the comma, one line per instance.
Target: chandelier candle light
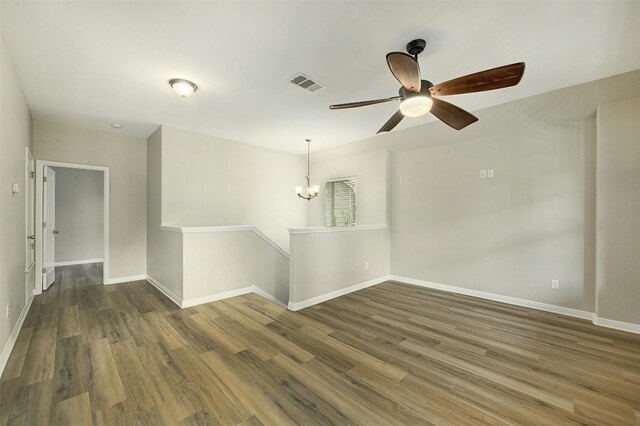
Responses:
[312,190]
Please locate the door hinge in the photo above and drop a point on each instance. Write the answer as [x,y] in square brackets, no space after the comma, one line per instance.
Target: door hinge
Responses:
[44,178]
[44,224]
[33,175]
[44,270]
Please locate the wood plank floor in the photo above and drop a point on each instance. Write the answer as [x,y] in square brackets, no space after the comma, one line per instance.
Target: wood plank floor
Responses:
[389,354]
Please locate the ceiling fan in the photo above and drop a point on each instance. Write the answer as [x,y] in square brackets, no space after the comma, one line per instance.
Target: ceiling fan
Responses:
[421,96]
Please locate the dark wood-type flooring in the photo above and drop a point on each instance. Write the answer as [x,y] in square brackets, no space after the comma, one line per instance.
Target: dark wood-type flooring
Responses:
[389,354]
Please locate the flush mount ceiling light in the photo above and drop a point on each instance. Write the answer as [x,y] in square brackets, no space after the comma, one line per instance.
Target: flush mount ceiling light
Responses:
[183,88]
[312,190]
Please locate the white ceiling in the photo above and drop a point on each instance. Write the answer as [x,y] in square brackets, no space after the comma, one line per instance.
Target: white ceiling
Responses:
[90,63]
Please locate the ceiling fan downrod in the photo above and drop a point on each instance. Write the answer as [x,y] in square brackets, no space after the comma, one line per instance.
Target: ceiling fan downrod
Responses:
[416,47]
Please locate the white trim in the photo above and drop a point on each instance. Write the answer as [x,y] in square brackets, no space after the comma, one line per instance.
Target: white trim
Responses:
[210,298]
[27,176]
[576,313]
[217,296]
[130,278]
[164,290]
[206,229]
[271,242]
[296,306]
[77,262]
[230,228]
[13,337]
[320,229]
[615,324]
[260,292]
[40,164]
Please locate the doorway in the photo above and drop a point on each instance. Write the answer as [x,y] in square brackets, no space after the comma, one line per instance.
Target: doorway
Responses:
[72,206]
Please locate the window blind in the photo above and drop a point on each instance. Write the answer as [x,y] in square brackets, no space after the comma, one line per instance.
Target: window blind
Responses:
[340,203]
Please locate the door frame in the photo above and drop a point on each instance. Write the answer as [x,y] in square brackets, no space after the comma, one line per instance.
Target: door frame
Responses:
[40,165]
[30,214]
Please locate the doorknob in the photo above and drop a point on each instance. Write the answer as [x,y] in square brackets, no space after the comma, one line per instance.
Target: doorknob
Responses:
[31,237]
[56,232]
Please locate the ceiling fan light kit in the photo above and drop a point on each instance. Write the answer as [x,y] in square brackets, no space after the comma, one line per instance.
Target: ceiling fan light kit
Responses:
[416,104]
[421,96]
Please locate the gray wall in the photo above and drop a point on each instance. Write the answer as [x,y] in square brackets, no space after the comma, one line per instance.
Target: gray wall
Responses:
[372,187]
[209,181]
[79,214]
[324,262]
[126,158]
[618,211]
[15,137]
[164,249]
[510,234]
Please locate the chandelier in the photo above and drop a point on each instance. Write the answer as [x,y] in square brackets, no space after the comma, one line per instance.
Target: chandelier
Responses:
[312,190]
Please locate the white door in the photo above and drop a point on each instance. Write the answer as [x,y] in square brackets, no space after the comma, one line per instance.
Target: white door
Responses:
[49,225]
[30,211]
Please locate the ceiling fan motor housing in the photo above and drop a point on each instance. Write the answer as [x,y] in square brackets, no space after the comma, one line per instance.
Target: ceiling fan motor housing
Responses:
[416,47]
[425,85]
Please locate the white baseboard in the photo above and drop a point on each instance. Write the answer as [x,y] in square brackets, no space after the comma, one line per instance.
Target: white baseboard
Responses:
[128,279]
[576,313]
[337,293]
[260,292]
[13,337]
[209,298]
[164,290]
[217,296]
[618,325]
[77,262]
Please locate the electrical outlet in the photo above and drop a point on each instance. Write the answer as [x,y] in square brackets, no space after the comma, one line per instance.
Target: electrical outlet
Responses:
[490,173]
[366,265]
[483,174]
[8,310]
[555,284]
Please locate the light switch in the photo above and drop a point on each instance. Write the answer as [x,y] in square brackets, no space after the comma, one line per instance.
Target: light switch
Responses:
[483,174]
[15,188]
[490,173]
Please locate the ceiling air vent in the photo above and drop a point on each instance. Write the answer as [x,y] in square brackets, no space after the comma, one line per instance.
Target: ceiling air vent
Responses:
[306,83]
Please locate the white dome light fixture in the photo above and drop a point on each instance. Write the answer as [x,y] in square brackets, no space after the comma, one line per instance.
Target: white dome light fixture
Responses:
[415,106]
[183,88]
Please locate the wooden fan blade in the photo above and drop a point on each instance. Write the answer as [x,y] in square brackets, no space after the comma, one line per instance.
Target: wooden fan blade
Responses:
[405,69]
[364,103]
[393,122]
[452,115]
[495,78]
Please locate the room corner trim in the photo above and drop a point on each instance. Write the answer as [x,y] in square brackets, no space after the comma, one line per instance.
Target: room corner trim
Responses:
[13,337]
[617,325]
[130,278]
[576,313]
[164,290]
[296,306]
